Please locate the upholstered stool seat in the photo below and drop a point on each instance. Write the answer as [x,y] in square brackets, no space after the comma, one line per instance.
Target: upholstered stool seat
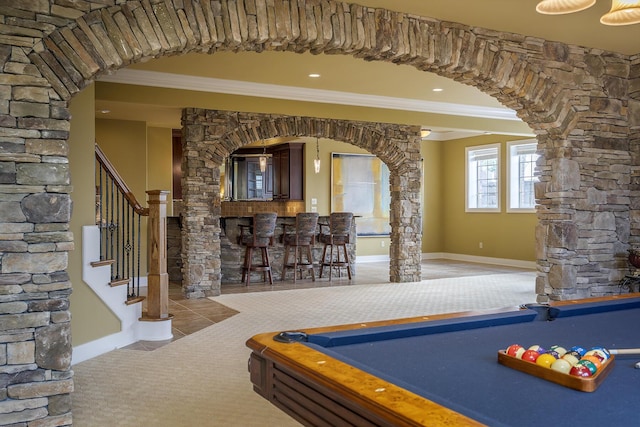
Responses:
[336,235]
[259,235]
[302,237]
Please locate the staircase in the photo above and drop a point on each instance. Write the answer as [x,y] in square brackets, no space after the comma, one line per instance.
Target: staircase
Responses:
[111,263]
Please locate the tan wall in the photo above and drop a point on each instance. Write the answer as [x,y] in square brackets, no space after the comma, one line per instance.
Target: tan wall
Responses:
[503,235]
[124,143]
[159,162]
[90,317]
[432,206]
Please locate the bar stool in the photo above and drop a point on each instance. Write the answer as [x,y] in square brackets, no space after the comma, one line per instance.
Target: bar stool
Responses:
[337,234]
[303,236]
[258,235]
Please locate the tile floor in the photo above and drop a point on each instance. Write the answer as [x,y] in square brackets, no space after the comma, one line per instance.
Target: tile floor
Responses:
[192,315]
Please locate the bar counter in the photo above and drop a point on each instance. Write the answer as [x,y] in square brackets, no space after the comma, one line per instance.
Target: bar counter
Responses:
[232,254]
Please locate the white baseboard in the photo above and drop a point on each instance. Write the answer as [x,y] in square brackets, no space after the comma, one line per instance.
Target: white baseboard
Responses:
[100,346]
[481,259]
[372,258]
[457,257]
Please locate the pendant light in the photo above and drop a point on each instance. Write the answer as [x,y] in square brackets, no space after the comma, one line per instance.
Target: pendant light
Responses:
[316,162]
[623,12]
[263,158]
[558,7]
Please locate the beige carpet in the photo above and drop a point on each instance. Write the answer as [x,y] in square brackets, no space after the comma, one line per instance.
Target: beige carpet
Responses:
[202,379]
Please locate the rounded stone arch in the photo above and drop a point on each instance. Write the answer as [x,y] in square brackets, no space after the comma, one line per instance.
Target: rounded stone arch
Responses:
[107,39]
[210,136]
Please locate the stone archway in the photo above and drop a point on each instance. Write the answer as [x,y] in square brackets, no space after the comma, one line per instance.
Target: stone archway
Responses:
[582,104]
[211,136]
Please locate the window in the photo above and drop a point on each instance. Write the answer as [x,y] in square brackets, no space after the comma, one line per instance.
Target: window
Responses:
[521,164]
[483,183]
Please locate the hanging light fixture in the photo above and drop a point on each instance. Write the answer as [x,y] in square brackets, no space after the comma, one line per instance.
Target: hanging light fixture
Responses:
[623,12]
[559,7]
[316,161]
[263,158]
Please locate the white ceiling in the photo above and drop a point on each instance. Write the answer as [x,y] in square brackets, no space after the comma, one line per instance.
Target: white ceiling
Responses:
[350,81]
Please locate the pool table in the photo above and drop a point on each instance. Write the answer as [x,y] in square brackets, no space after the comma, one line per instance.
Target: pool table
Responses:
[443,370]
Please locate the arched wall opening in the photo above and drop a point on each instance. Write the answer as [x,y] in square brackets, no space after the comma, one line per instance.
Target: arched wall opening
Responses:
[211,136]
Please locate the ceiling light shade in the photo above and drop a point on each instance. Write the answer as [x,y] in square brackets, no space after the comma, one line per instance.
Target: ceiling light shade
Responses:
[559,7]
[623,12]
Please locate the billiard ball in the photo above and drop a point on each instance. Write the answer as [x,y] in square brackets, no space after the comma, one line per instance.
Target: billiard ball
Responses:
[593,359]
[599,354]
[561,365]
[530,356]
[574,353]
[545,359]
[515,350]
[537,348]
[580,371]
[603,350]
[579,350]
[590,365]
[553,353]
[558,349]
[570,358]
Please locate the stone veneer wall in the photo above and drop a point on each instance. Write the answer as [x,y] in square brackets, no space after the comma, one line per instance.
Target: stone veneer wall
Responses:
[583,104]
[210,136]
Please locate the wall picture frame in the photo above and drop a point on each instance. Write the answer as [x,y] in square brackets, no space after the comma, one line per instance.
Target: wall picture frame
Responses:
[360,184]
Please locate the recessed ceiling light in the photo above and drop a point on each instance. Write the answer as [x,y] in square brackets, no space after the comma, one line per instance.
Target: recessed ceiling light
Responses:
[314,75]
[438,89]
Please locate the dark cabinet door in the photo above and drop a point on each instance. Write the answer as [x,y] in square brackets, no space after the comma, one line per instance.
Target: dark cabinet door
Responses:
[287,171]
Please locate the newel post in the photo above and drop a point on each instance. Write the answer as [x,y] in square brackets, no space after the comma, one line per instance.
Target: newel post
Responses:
[158,278]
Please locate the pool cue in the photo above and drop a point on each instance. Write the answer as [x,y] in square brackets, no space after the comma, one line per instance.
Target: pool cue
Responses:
[624,350]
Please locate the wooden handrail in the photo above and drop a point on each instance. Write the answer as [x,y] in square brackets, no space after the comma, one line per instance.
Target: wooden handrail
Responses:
[122,232]
[126,191]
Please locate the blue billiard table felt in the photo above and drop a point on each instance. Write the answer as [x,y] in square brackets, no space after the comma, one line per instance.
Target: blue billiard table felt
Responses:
[458,368]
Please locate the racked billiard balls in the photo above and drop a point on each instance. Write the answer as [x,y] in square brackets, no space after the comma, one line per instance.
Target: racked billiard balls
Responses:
[604,351]
[545,359]
[580,371]
[578,349]
[553,353]
[558,349]
[571,359]
[593,359]
[599,354]
[537,348]
[561,365]
[590,365]
[530,356]
[515,350]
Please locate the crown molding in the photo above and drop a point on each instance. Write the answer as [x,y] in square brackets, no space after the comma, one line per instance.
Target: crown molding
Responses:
[235,87]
